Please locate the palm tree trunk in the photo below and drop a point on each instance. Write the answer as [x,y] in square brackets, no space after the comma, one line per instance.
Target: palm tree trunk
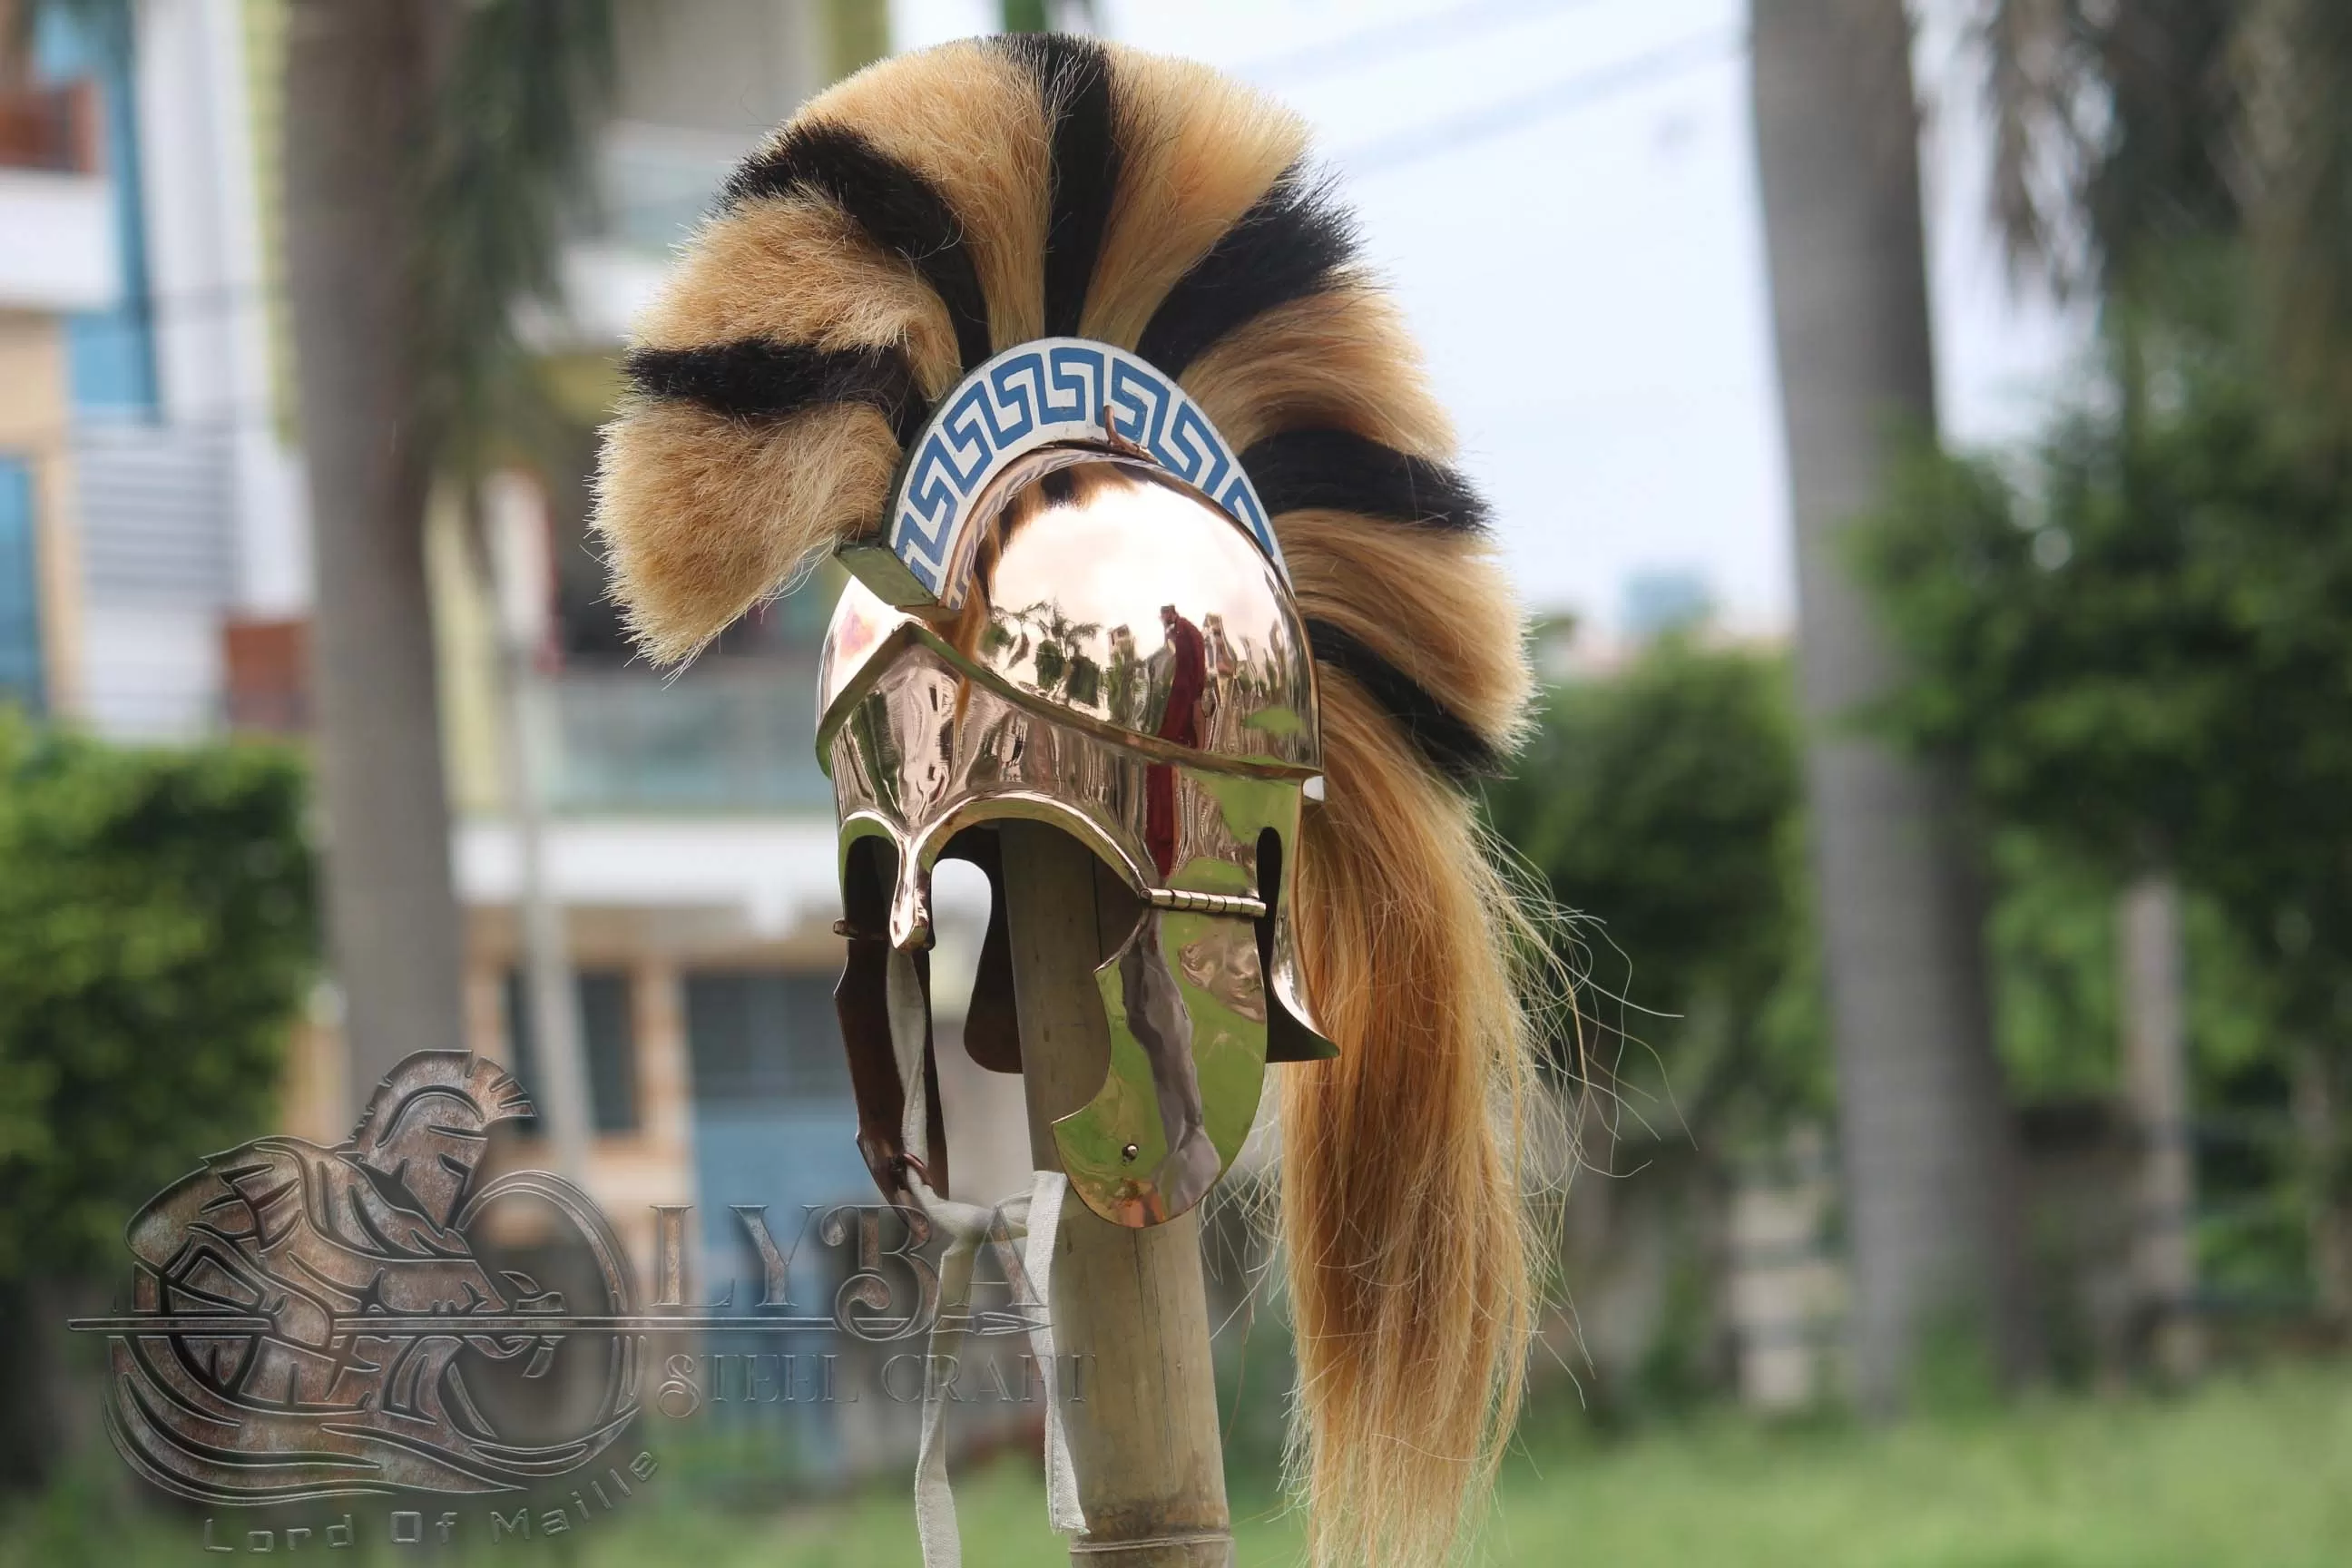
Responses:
[2315,1102]
[1926,1144]
[359,79]
[2156,1075]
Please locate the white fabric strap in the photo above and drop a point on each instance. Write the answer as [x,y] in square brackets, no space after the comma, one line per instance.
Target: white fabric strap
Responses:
[1036,1214]
[1044,1217]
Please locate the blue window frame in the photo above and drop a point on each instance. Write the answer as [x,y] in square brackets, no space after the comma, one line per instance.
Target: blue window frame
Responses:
[20,589]
[109,353]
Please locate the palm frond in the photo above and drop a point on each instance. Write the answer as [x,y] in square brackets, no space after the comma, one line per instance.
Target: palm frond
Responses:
[2113,129]
[2036,78]
[505,177]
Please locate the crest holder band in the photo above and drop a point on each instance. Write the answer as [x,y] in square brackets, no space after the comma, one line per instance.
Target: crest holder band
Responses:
[1041,394]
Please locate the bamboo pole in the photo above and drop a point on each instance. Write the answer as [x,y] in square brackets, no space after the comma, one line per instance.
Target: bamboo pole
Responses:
[1128,1305]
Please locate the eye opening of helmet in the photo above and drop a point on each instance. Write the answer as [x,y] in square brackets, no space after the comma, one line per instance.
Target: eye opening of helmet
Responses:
[991,1029]
[869,870]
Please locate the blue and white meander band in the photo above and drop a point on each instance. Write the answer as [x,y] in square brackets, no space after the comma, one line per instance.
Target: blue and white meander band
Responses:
[1049,390]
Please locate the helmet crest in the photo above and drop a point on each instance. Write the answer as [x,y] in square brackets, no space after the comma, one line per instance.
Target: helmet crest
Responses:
[823,372]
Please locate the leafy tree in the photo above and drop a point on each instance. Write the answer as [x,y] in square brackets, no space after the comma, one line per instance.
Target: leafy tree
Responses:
[2051,937]
[2138,643]
[1661,804]
[2130,138]
[2076,646]
[156,938]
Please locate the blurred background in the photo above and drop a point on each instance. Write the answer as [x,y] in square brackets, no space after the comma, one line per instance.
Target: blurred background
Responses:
[1924,435]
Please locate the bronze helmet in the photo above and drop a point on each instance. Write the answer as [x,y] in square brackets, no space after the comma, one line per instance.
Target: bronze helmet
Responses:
[1085,636]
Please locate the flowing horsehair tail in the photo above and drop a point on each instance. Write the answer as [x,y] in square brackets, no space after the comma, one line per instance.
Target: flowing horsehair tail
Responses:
[941,208]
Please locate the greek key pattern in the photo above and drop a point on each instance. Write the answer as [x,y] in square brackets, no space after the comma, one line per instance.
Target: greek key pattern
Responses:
[1055,389]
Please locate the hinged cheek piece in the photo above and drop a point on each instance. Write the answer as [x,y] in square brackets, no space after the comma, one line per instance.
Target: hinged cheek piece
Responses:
[1078,616]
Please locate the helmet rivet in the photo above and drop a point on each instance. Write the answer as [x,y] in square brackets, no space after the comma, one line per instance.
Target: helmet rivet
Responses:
[1130,1153]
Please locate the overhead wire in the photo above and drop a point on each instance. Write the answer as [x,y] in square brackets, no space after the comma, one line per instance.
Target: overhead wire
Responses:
[217,302]
[1371,45]
[1569,93]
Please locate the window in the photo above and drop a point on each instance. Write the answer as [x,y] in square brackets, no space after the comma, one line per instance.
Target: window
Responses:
[608,1034]
[111,354]
[20,589]
[760,1037]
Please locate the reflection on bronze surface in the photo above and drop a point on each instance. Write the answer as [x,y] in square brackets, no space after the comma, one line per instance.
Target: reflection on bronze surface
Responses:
[1078,587]
[1185,1070]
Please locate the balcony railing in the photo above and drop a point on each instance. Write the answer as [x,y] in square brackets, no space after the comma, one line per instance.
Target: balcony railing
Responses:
[736,737]
[53,129]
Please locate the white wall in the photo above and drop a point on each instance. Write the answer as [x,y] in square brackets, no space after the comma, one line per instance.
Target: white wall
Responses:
[58,246]
[150,671]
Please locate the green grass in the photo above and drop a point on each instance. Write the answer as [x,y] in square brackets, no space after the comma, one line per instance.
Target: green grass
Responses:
[2244,1475]
[2248,1473]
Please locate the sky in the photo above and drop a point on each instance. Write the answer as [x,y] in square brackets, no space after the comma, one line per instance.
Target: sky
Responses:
[1562,194]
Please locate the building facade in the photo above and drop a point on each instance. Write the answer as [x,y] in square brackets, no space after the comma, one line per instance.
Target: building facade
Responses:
[154,585]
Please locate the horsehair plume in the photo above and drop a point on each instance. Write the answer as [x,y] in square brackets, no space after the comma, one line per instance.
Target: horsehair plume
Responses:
[940,207]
